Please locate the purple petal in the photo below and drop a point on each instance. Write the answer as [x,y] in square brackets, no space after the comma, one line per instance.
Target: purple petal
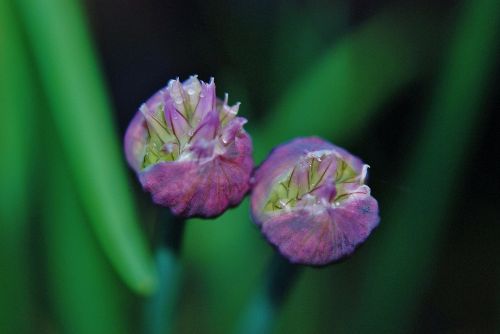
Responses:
[318,238]
[135,139]
[178,97]
[207,129]
[232,129]
[191,189]
[192,87]
[206,103]
[357,216]
[176,122]
[301,237]
[228,113]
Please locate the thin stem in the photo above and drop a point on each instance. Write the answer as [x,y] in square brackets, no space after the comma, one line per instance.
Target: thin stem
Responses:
[260,314]
[160,307]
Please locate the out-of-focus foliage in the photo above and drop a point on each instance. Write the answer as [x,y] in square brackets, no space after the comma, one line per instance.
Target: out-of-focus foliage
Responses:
[407,87]
[17,106]
[78,104]
[415,221]
[88,290]
[339,95]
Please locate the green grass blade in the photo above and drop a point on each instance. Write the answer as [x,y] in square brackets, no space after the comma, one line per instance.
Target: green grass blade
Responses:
[16,131]
[78,104]
[83,290]
[401,259]
[340,94]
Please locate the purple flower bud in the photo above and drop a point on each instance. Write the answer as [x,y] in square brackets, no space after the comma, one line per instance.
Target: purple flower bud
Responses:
[310,200]
[190,150]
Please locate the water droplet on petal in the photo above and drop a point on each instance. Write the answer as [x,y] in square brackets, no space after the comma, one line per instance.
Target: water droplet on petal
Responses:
[169,147]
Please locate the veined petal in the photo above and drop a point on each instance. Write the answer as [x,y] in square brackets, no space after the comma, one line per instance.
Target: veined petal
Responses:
[207,128]
[228,113]
[179,98]
[177,123]
[206,103]
[135,142]
[155,121]
[192,87]
[232,129]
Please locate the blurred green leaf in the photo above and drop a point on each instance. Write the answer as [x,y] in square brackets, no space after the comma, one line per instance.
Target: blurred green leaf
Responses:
[400,263]
[160,309]
[83,289]
[78,104]
[301,32]
[17,103]
[341,92]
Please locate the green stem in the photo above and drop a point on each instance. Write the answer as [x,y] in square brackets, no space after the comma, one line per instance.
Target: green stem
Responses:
[160,307]
[260,314]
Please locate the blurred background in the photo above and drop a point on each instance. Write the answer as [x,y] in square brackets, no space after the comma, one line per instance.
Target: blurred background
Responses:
[410,87]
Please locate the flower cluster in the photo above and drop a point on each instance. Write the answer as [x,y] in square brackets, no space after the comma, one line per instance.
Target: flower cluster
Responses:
[190,151]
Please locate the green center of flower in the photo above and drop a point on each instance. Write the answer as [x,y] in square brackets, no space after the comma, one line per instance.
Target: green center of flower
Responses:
[320,178]
[185,121]
[162,144]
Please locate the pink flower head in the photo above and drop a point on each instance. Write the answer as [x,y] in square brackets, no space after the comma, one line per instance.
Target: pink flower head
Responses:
[310,200]
[190,150]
